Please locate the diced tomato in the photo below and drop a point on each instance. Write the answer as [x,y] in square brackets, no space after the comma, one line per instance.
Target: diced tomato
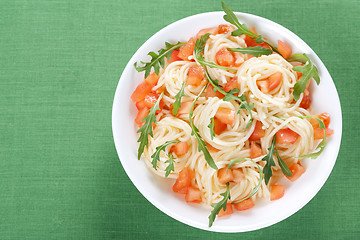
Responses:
[225,175]
[219,126]
[150,100]
[193,195]
[212,31]
[306,101]
[211,148]
[319,133]
[250,42]
[258,132]
[232,84]
[255,150]
[183,181]
[140,92]
[225,115]
[225,28]
[141,115]
[140,105]
[244,205]
[224,57]
[184,109]
[286,136]
[297,170]
[179,148]
[210,92]
[228,210]
[264,45]
[269,84]
[174,56]
[277,192]
[325,117]
[238,175]
[299,74]
[195,75]
[152,79]
[284,49]
[187,50]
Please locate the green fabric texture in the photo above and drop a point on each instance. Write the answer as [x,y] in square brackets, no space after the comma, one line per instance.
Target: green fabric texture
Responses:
[60,62]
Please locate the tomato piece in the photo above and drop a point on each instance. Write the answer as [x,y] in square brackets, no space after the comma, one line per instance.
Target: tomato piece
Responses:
[244,205]
[140,92]
[187,50]
[209,92]
[180,148]
[269,84]
[212,31]
[184,109]
[250,42]
[225,115]
[277,192]
[255,150]
[152,79]
[224,57]
[286,136]
[175,56]
[238,175]
[150,100]
[193,195]
[228,210]
[232,84]
[225,28]
[219,126]
[306,101]
[325,117]
[195,75]
[225,175]
[319,133]
[284,49]
[140,105]
[297,170]
[258,132]
[299,74]
[183,181]
[141,115]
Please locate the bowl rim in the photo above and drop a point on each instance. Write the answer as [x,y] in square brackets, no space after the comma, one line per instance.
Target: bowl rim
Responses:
[168,211]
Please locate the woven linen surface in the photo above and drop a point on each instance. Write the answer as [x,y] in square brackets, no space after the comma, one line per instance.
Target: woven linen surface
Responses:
[60,61]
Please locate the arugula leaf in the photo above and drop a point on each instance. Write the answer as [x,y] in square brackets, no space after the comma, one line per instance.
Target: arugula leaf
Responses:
[254,51]
[220,205]
[321,144]
[170,167]
[195,132]
[199,49]
[211,126]
[309,71]
[256,188]
[242,28]
[230,96]
[269,158]
[158,59]
[146,129]
[156,155]
[177,103]
[297,57]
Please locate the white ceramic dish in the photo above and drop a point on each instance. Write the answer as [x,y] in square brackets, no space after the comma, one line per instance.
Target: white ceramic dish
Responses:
[158,191]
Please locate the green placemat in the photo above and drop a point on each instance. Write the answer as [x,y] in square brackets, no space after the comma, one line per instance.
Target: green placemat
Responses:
[60,61]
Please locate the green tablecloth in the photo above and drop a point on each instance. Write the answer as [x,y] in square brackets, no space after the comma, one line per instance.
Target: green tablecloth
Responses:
[60,61]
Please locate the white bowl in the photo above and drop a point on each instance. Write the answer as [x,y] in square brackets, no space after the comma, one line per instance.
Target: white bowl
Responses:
[158,191]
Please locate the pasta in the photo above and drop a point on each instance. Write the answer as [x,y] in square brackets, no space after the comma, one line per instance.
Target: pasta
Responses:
[267,82]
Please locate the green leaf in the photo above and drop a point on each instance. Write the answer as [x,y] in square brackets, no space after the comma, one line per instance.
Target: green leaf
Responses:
[158,60]
[170,167]
[230,96]
[146,129]
[177,103]
[199,49]
[220,205]
[297,57]
[195,132]
[211,126]
[309,71]
[269,162]
[156,155]
[321,144]
[242,28]
[254,51]
[256,188]
[284,168]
